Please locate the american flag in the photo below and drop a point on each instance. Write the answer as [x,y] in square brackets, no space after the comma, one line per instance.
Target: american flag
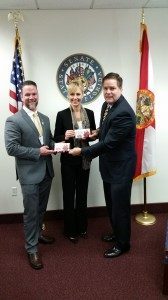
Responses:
[17,78]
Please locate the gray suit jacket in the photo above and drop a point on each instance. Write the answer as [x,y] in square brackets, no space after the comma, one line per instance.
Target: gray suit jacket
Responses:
[22,141]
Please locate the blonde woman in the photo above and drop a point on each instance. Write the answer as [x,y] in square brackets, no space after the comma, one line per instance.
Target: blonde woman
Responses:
[74,170]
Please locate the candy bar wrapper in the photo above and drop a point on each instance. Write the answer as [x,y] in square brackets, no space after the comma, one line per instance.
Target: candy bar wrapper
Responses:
[62,147]
[82,133]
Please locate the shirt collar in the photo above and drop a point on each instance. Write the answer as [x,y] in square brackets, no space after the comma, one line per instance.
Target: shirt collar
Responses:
[28,111]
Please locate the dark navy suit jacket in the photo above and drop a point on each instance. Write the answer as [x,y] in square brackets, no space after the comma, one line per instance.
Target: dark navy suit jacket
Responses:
[116,146]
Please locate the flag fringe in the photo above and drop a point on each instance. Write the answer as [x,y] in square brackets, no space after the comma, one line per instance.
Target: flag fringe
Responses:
[145,175]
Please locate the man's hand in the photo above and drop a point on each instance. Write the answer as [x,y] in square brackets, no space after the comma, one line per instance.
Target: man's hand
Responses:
[44,151]
[94,135]
[75,151]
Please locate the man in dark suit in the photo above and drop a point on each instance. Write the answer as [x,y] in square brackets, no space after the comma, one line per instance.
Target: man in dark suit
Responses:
[28,138]
[117,159]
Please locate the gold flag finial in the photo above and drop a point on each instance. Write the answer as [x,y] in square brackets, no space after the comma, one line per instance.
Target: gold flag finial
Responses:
[142,27]
[16,17]
[143,16]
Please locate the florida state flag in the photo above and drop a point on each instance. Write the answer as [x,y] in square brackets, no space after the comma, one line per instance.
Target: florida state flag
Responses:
[145,114]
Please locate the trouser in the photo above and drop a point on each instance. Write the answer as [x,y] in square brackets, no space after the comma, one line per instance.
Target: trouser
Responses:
[117,197]
[75,185]
[35,199]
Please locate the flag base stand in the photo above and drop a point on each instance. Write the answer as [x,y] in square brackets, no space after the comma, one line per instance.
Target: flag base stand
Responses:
[145,218]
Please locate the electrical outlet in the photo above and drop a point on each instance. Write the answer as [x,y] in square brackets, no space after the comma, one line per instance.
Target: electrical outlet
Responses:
[14,191]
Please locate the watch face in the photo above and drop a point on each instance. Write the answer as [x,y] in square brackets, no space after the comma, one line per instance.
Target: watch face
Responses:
[83,68]
[145,109]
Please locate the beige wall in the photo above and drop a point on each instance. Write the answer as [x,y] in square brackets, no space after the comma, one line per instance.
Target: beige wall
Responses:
[111,37]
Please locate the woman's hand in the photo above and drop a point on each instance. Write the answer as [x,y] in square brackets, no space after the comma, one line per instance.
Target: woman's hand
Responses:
[69,134]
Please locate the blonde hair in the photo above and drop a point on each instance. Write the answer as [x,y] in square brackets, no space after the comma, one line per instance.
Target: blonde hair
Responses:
[74,85]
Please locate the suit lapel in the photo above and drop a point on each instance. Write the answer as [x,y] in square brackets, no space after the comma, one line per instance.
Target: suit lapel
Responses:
[110,115]
[29,121]
[68,118]
[113,108]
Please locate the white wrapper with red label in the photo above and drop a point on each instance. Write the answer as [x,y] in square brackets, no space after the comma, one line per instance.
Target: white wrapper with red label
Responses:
[62,147]
[82,133]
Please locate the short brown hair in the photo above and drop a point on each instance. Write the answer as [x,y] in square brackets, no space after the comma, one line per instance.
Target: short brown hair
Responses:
[114,76]
[28,82]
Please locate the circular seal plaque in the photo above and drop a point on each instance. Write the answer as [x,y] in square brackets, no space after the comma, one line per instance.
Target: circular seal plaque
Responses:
[81,67]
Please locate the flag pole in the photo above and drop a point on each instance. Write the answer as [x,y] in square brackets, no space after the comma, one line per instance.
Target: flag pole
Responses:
[145,218]
[17,73]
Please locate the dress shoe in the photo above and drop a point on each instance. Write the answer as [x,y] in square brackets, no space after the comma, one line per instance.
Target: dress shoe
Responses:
[44,239]
[108,238]
[83,235]
[115,252]
[72,238]
[35,260]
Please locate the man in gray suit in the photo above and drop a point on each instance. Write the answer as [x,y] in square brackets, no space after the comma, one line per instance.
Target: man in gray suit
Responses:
[28,138]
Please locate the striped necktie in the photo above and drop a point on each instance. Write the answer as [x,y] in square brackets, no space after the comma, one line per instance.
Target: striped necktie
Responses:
[37,123]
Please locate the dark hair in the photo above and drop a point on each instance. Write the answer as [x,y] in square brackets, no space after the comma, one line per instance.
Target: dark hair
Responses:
[28,82]
[114,76]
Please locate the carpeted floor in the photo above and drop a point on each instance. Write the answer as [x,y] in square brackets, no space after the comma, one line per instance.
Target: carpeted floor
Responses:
[79,271]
